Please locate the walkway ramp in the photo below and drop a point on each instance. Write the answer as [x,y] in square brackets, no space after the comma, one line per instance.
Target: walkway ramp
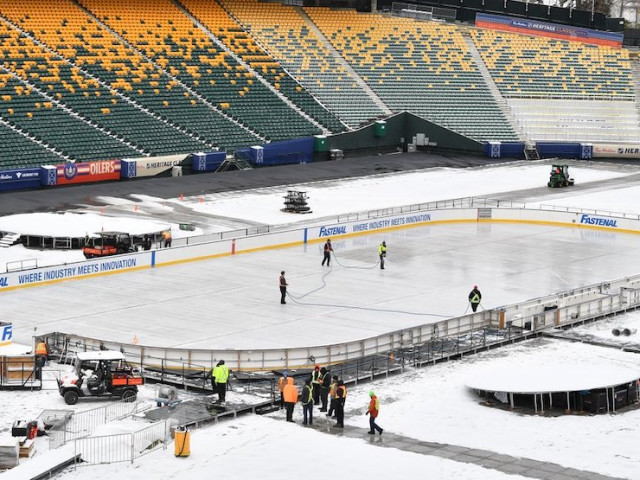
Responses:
[46,465]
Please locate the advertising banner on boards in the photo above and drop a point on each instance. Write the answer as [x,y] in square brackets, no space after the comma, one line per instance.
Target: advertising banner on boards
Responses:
[19,178]
[150,167]
[612,150]
[100,171]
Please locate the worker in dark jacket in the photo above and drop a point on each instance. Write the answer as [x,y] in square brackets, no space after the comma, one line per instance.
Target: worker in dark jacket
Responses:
[474,298]
[327,252]
[341,396]
[372,411]
[316,381]
[333,395]
[325,383]
[307,402]
[283,287]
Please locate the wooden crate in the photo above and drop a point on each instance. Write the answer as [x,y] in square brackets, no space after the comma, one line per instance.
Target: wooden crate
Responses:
[27,447]
[18,368]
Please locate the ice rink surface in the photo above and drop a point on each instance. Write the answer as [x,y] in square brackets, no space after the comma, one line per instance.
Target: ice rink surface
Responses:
[233,302]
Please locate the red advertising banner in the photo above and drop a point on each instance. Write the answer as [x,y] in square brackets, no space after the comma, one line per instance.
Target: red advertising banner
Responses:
[87,172]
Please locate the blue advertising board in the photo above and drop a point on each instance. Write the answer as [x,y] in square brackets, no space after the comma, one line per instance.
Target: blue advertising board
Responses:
[20,178]
[299,150]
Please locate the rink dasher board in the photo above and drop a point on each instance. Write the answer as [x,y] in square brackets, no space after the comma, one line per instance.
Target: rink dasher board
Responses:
[570,307]
[578,305]
[311,234]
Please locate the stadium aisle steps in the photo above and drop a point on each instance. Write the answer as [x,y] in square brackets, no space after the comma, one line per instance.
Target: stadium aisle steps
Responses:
[211,14]
[165,34]
[284,34]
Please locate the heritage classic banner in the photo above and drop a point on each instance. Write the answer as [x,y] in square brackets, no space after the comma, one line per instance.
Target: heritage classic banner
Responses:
[544,29]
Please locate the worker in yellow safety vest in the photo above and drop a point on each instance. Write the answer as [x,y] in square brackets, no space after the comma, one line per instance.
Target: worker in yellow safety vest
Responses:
[220,374]
[333,395]
[382,253]
[474,298]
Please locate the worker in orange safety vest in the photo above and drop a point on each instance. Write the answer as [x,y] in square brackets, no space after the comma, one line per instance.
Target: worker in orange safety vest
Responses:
[290,394]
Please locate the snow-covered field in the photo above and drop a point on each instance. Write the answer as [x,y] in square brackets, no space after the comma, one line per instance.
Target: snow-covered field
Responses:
[430,404]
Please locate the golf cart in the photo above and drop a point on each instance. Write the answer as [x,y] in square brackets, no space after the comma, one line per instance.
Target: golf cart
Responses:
[103,244]
[104,373]
[559,177]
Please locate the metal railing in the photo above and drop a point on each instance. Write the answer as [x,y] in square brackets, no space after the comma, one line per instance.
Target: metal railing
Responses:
[589,211]
[83,424]
[123,447]
[272,359]
[422,12]
[19,265]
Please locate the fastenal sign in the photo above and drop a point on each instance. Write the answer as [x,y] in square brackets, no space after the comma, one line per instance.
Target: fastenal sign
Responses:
[6,333]
[599,221]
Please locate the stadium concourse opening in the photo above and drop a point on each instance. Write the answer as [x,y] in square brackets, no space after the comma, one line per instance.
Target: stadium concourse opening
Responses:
[562,388]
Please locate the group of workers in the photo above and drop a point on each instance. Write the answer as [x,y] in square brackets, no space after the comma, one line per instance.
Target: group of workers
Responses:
[325,390]
[475,296]
[328,248]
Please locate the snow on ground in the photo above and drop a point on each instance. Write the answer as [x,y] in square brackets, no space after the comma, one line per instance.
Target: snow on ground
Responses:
[433,404]
[430,404]
[76,225]
[622,200]
[602,330]
[382,191]
[263,205]
[258,447]
[71,225]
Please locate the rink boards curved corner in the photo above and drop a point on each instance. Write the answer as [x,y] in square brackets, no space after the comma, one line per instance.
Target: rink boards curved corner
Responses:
[533,315]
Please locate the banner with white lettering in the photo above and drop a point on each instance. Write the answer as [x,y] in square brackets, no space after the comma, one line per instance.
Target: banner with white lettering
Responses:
[87,172]
[74,270]
[149,167]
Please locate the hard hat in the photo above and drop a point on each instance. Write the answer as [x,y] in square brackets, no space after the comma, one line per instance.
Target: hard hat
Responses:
[475,287]
[372,393]
[317,367]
